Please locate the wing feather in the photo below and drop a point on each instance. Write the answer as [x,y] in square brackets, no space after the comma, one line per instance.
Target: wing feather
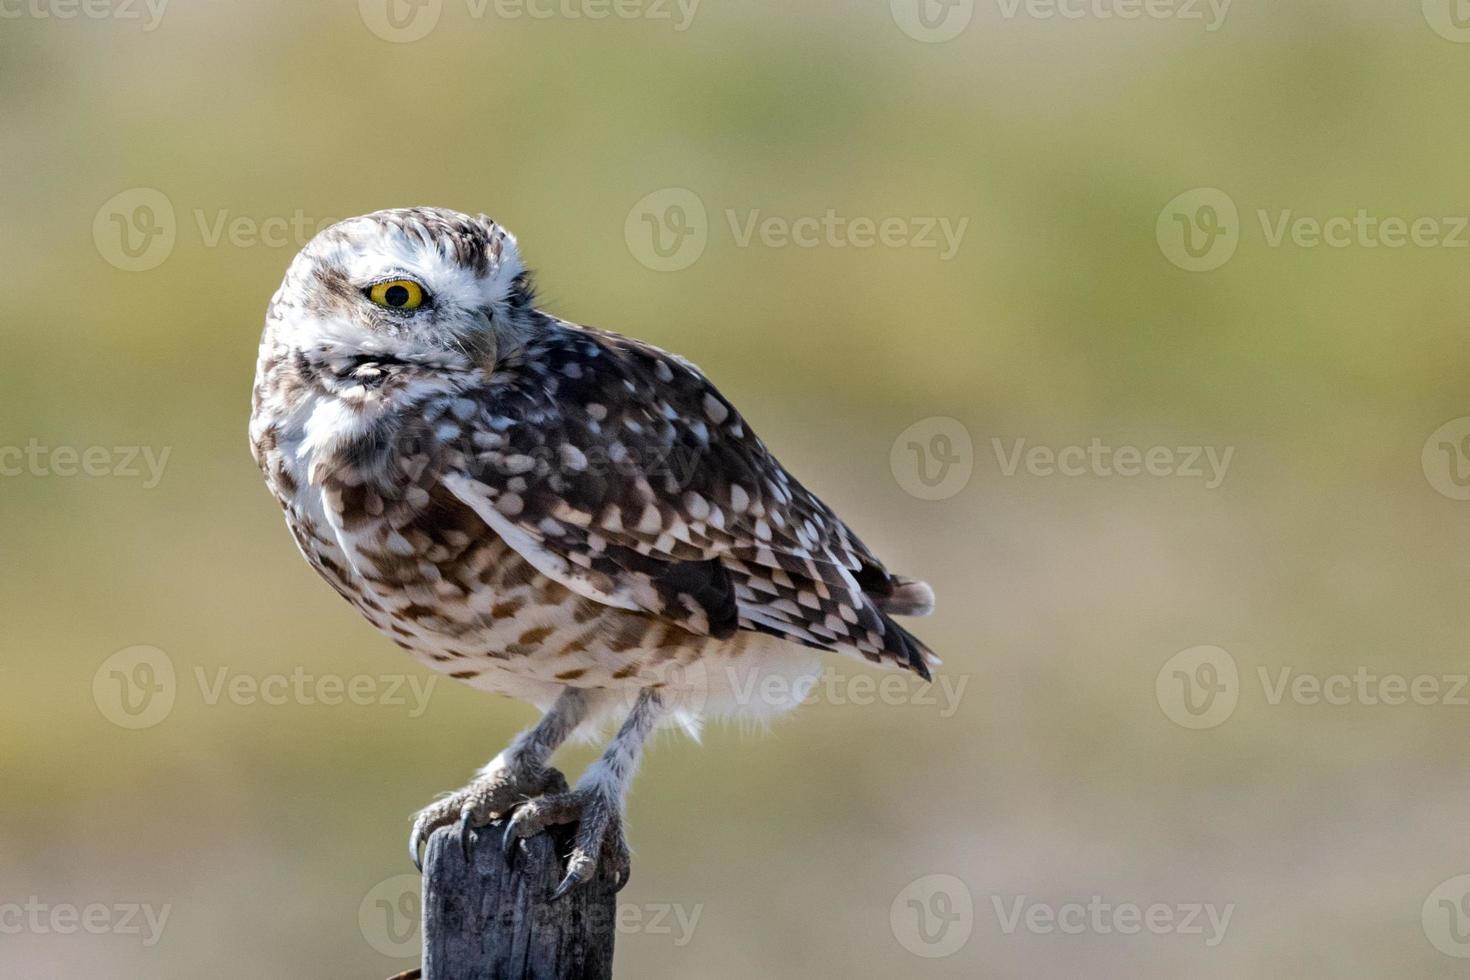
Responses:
[620,471]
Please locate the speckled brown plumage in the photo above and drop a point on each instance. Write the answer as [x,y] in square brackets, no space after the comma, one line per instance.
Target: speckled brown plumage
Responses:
[537,507]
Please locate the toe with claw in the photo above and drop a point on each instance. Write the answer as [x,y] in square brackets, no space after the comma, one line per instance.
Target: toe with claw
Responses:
[492,795]
[599,836]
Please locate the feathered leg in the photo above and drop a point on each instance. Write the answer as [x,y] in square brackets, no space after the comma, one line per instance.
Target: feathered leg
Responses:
[596,805]
[518,773]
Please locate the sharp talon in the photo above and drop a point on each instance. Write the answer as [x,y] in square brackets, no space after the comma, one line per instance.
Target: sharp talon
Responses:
[566,885]
[465,830]
[623,877]
[508,841]
[413,850]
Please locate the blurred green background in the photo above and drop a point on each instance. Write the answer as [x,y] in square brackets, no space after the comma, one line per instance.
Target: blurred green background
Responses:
[1334,544]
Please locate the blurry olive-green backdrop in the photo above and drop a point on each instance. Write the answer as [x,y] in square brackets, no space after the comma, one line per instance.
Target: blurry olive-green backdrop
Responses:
[1138,329]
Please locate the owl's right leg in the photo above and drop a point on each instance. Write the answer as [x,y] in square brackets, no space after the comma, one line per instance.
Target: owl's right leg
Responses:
[514,776]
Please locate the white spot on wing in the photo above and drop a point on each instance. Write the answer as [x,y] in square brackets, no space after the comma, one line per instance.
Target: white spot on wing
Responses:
[715,409]
[477,497]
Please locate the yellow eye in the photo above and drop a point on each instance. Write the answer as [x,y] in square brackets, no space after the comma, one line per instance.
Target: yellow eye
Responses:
[397,294]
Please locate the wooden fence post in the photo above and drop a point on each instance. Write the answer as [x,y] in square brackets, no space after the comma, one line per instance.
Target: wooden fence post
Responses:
[490,919]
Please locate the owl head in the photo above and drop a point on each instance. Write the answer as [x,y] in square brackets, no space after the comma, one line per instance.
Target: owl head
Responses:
[412,285]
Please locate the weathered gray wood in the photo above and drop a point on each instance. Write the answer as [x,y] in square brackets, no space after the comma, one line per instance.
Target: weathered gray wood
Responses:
[493,920]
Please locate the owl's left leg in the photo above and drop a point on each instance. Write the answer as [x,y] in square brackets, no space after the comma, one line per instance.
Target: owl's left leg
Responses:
[596,804]
[522,770]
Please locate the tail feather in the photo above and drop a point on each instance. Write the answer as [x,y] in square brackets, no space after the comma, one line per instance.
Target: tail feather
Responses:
[909,597]
[906,649]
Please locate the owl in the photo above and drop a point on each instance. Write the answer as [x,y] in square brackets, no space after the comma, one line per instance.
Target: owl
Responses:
[552,512]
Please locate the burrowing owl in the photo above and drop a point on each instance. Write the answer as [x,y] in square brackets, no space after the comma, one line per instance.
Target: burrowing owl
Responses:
[548,511]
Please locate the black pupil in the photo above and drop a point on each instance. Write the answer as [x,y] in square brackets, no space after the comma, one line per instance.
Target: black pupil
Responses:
[396,295]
